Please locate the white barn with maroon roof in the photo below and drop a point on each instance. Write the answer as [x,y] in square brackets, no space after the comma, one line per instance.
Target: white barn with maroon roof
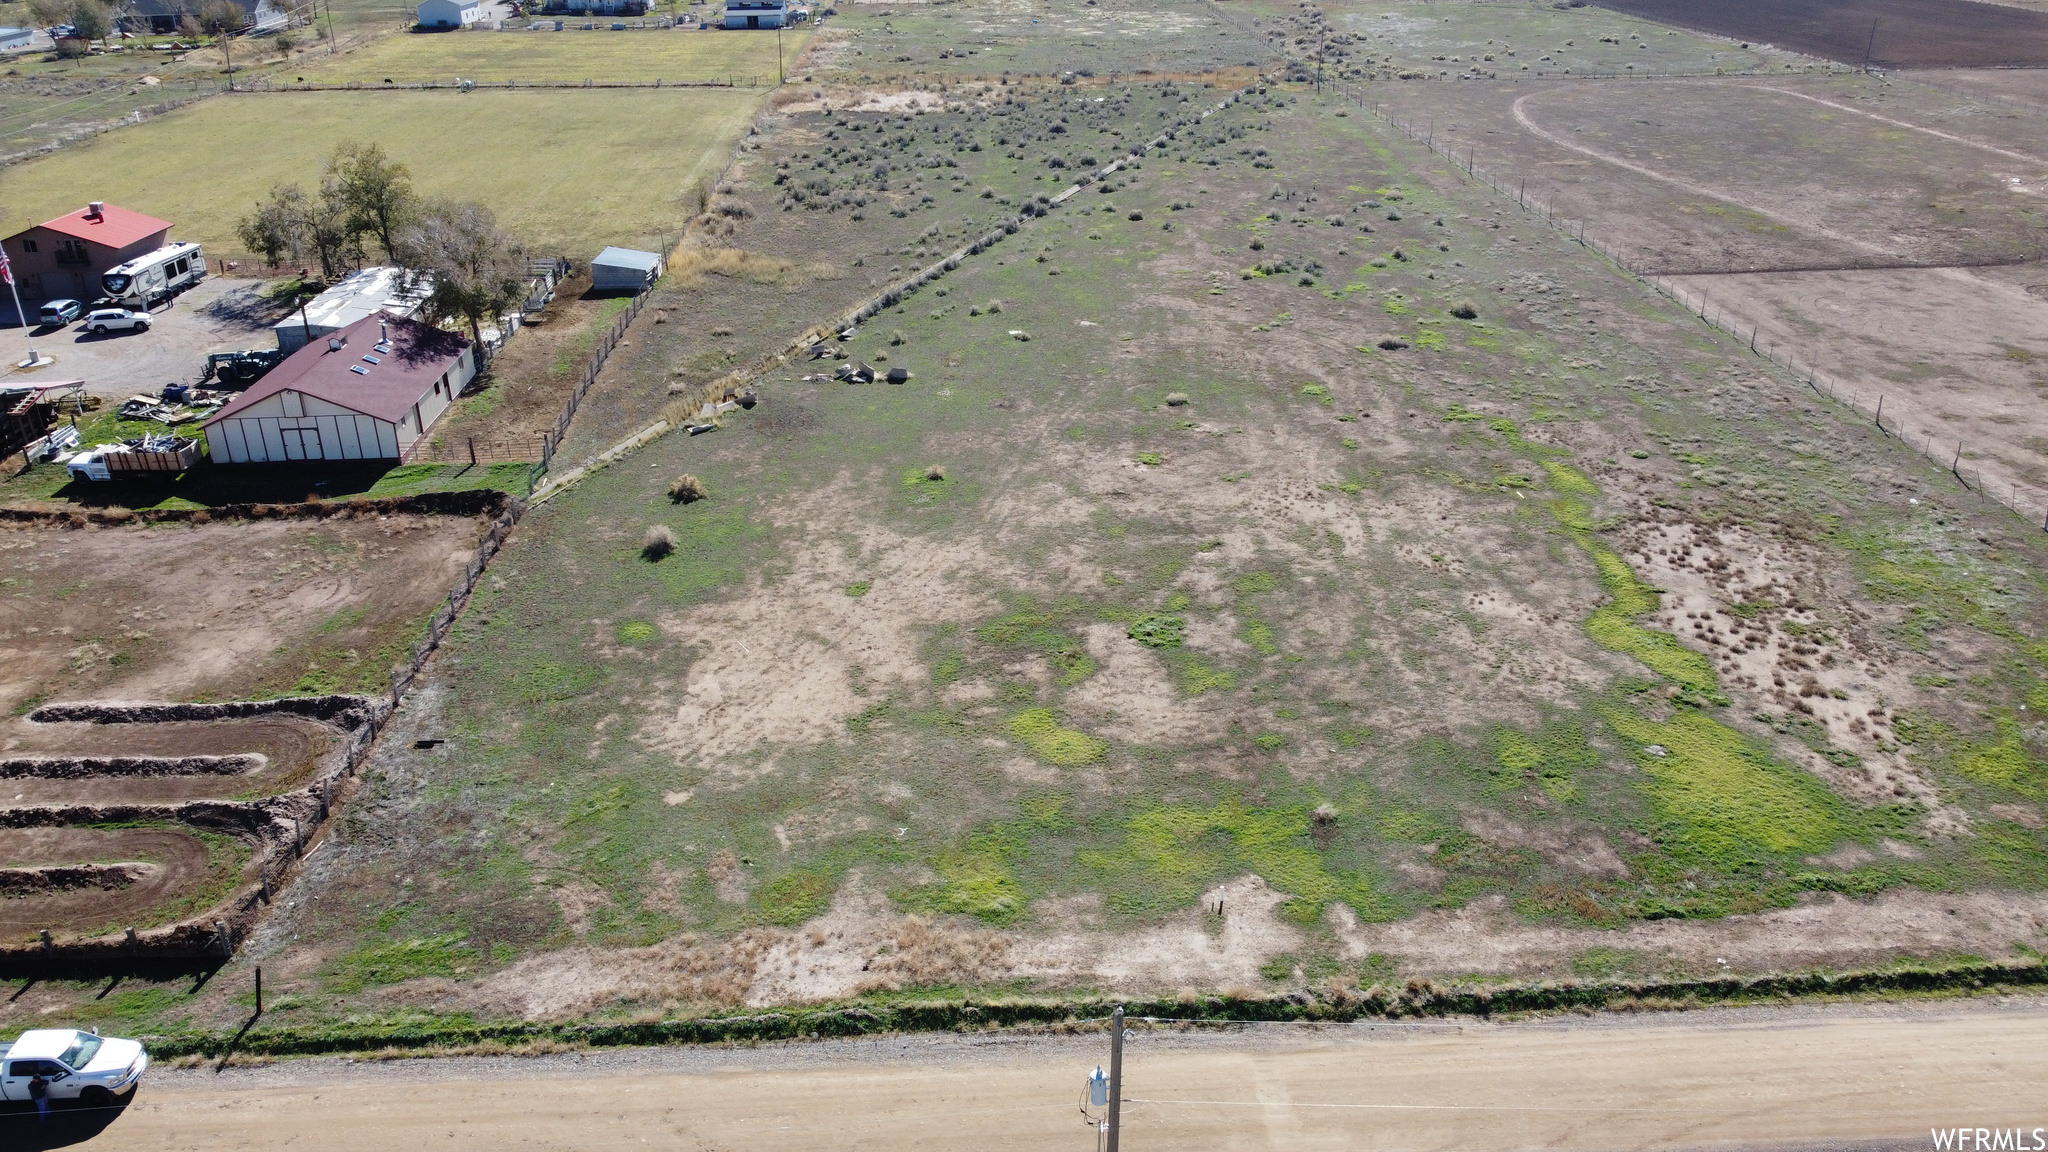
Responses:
[366,392]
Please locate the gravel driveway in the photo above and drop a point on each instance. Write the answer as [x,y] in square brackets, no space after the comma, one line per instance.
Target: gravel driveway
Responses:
[219,315]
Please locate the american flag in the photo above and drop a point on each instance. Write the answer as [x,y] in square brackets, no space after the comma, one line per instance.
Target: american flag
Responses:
[6,269]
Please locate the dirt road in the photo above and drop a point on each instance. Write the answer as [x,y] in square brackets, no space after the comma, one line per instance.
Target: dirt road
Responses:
[1843,1077]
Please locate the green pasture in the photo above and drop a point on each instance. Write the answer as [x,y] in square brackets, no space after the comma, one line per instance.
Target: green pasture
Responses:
[642,57]
[569,172]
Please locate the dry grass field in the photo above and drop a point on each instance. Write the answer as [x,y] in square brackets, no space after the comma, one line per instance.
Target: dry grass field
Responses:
[1290,564]
[569,171]
[676,57]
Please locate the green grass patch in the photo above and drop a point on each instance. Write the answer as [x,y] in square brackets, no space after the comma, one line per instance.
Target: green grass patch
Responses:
[1158,631]
[398,961]
[1718,797]
[1041,730]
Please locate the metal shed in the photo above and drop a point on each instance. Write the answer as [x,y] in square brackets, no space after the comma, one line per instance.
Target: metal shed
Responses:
[623,269]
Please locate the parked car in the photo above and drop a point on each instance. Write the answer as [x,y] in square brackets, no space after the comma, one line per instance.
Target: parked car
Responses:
[82,1066]
[61,312]
[108,318]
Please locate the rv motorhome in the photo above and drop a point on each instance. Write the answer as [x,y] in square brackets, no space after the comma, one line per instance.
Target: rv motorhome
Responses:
[159,275]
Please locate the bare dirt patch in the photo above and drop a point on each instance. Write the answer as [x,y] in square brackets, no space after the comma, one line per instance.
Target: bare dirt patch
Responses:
[223,610]
[530,379]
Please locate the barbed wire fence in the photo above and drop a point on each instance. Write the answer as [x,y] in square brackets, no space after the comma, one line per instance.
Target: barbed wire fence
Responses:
[1873,403]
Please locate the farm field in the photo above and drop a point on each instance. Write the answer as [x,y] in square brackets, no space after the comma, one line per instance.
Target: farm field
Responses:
[1907,33]
[675,57]
[1867,209]
[569,172]
[989,39]
[1290,566]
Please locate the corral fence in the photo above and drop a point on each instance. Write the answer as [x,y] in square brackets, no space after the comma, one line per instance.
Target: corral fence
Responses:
[2029,505]
[470,450]
[445,615]
[552,439]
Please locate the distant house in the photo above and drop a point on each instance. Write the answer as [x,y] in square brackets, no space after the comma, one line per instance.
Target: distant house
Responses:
[165,16]
[624,270]
[366,392]
[754,13]
[449,14]
[596,7]
[360,294]
[64,258]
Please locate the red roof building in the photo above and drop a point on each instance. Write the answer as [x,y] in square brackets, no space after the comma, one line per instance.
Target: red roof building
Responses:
[65,257]
[366,392]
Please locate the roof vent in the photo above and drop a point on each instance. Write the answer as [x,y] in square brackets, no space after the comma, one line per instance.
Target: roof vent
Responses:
[335,343]
[96,209]
[383,332]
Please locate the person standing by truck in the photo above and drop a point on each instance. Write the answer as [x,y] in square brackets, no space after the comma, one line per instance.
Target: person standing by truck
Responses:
[39,1091]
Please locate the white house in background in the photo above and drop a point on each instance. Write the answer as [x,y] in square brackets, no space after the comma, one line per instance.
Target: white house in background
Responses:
[754,13]
[360,294]
[366,392]
[449,13]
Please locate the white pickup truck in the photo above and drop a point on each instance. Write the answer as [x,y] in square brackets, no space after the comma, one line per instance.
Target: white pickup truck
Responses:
[81,1066]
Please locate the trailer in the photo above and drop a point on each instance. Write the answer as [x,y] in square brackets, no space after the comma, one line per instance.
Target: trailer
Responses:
[142,282]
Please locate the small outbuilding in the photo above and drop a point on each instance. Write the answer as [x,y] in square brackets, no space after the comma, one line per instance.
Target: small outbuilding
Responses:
[449,14]
[624,270]
[367,392]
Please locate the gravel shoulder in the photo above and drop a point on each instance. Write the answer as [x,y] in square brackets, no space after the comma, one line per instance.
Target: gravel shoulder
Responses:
[1822,1076]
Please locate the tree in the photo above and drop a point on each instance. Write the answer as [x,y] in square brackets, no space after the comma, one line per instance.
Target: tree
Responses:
[50,13]
[328,232]
[378,192]
[91,19]
[291,222]
[278,227]
[220,19]
[475,270]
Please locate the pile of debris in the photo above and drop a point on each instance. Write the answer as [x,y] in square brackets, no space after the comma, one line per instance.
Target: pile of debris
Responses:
[179,404]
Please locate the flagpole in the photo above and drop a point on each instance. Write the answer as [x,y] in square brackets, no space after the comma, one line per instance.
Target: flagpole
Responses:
[7,270]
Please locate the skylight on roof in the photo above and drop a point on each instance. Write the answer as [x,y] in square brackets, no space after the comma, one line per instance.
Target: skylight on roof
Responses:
[384,346]
[369,359]
[359,370]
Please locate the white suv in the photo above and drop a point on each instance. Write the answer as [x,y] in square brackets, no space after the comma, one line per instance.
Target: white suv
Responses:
[106,318]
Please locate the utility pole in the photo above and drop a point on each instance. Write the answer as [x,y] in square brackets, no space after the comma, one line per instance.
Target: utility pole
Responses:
[1116,1075]
[780,79]
[1867,48]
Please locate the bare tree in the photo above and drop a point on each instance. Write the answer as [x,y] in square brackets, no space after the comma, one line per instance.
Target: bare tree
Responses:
[476,270]
[378,192]
[279,226]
